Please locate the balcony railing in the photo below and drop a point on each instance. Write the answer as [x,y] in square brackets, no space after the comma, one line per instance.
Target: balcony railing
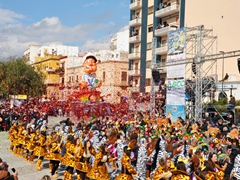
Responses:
[50,69]
[135,22]
[135,39]
[164,30]
[161,50]
[135,5]
[167,11]
[134,72]
[134,55]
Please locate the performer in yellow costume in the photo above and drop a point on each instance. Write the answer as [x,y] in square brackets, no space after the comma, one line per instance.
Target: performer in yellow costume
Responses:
[53,154]
[99,169]
[82,165]
[128,170]
[40,149]
[32,144]
[12,131]
[68,159]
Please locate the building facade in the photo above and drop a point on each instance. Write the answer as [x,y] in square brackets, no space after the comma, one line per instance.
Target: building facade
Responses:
[153,19]
[49,66]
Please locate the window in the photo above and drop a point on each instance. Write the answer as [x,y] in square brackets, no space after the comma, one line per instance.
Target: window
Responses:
[104,75]
[163,62]
[148,64]
[164,43]
[76,78]
[149,46]
[150,28]
[124,76]
[148,82]
[150,10]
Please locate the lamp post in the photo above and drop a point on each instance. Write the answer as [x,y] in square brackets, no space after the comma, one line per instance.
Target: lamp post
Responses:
[222,52]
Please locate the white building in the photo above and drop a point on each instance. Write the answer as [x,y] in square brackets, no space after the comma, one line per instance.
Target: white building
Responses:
[120,41]
[54,48]
[31,53]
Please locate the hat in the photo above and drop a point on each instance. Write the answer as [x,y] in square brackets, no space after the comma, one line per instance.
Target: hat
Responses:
[88,55]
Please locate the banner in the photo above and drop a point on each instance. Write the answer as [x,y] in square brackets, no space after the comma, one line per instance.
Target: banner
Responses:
[175,111]
[175,101]
[176,52]
[176,92]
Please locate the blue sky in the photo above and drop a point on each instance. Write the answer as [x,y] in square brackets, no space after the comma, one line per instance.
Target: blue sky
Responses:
[88,24]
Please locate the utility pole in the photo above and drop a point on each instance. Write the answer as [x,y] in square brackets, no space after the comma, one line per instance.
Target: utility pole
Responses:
[153,62]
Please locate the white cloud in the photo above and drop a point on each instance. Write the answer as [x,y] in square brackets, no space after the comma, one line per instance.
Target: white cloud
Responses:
[7,16]
[91,4]
[15,38]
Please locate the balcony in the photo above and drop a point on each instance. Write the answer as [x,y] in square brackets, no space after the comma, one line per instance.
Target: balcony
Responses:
[50,82]
[161,50]
[135,39]
[164,30]
[134,55]
[167,11]
[135,22]
[133,89]
[50,69]
[135,5]
[123,83]
[134,72]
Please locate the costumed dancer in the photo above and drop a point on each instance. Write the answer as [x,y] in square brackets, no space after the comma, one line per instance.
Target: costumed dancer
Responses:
[54,154]
[163,170]
[142,160]
[99,169]
[40,149]
[128,172]
[68,158]
[83,165]
[32,144]
[11,137]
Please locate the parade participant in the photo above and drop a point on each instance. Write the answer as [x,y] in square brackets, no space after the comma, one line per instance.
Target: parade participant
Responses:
[83,165]
[99,169]
[163,170]
[12,132]
[32,144]
[68,159]
[40,149]
[53,154]
[22,141]
[142,159]
[128,172]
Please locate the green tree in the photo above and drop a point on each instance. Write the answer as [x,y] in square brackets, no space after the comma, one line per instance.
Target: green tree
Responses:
[18,77]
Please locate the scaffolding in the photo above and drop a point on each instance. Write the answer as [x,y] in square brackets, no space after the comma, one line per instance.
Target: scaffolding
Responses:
[201,68]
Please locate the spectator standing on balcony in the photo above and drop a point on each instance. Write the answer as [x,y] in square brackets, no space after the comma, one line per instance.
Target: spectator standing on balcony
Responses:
[231,103]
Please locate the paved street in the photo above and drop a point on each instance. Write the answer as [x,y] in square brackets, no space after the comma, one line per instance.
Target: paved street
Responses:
[26,171]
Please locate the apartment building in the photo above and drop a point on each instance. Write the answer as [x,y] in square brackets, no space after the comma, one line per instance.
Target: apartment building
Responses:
[155,18]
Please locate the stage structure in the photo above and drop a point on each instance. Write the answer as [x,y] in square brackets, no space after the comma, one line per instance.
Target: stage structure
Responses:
[200,69]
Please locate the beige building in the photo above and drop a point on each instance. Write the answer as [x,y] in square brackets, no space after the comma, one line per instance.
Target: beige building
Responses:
[155,18]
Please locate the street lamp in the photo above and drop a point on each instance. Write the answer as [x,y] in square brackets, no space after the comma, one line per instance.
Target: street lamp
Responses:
[222,52]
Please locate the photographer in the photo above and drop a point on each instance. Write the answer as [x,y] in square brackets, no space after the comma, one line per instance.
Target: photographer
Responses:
[5,174]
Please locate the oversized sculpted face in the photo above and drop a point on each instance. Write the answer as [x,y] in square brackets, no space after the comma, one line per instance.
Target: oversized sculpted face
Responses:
[90,66]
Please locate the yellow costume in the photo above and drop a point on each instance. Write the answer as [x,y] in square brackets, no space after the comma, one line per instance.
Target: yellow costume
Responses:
[11,132]
[54,152]
[40,150]
[161,174]
[68,159]
[99,170]
[179,175]
[127,169]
